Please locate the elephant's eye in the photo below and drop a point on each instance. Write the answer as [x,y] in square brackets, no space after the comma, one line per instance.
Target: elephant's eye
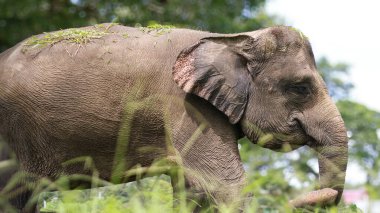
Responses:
[299,89]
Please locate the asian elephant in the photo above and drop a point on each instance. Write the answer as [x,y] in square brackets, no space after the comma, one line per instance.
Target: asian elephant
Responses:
[166,93]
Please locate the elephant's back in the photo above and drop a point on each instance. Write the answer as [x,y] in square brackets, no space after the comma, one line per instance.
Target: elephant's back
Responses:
[106,54]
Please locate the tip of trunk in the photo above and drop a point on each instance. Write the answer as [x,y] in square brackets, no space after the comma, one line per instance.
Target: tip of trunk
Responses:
[323,197]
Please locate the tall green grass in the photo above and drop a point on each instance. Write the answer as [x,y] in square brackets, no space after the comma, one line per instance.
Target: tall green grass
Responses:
[149,193]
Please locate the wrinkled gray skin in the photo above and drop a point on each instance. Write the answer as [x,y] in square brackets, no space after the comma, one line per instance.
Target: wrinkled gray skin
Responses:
[198,92]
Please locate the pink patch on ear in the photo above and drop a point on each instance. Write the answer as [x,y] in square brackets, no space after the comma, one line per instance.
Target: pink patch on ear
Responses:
[183,71]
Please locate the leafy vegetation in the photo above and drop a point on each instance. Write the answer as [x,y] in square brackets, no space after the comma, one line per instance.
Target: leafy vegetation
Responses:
[151,194]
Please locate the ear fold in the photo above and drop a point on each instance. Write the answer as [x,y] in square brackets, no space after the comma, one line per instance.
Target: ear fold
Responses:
[215,70]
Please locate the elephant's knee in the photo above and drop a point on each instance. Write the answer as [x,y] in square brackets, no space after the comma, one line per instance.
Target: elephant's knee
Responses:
[228,193]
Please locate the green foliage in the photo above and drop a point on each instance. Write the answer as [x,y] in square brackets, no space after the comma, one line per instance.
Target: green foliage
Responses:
[274,177]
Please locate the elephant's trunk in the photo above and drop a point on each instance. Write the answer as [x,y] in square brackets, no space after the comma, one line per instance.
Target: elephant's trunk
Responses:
[332,161]
[325,126]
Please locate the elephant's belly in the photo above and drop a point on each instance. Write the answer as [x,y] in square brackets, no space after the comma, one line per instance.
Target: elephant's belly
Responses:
[56,135]
[135,140]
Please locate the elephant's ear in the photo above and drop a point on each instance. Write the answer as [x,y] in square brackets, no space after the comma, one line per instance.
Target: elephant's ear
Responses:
[214,69]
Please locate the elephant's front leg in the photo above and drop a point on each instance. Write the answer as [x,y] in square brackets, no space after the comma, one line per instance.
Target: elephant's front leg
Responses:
[214,177]
[207,147]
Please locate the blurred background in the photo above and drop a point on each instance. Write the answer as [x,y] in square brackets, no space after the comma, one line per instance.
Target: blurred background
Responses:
[343,35]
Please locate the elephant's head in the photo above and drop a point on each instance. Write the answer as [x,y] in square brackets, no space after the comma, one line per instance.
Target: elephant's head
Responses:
[267,82]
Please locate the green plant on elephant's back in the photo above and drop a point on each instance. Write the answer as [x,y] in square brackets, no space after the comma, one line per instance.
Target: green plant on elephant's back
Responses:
[181,99]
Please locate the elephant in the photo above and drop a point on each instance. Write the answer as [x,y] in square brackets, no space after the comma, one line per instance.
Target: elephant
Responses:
[128,96]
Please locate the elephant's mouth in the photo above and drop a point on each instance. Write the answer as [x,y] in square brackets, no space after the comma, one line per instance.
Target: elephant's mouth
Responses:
[280,146]
[290,137]
[281,142]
